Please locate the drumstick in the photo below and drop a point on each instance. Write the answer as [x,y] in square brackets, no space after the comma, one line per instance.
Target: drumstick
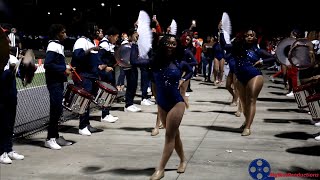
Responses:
[73,70]
[116,64]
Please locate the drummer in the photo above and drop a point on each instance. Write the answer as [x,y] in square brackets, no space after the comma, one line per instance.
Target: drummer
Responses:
[86,61]
[106,54]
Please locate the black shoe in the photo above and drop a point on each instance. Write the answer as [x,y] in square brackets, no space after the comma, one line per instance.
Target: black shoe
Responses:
[93,130]
[189,90]
[62,142]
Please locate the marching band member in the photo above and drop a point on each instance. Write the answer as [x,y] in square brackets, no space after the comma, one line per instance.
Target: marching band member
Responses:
[8,101]
[86,61]
[189,58]
[248,56]
[56,74]
[168,69]
[231,78]
[106,53]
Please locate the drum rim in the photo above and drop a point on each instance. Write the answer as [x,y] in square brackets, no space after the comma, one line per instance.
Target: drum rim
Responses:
[101,85]
[313,98]
[303,87]
[81,91]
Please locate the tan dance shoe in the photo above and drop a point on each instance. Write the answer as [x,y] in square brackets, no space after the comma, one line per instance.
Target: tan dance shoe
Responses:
[182,167]
[246,132]
[158,174]
[154,132]
[237,114]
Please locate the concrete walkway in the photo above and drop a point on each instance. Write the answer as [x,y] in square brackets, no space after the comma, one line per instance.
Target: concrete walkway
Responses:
[281,135]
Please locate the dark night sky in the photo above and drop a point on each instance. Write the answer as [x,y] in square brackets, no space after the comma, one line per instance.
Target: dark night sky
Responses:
[268,15]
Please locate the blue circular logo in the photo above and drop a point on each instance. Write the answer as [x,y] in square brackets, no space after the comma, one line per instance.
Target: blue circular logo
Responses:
[259,169]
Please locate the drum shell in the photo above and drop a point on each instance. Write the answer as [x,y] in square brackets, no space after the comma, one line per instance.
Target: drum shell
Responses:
[302,92]
[76,99]
[106,94]
[314,106]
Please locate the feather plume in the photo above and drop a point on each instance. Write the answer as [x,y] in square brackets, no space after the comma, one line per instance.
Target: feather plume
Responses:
[143,18]
[145,34]
[173,27]
[226,23]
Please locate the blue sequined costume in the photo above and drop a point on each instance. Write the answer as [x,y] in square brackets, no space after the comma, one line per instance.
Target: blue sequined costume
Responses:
[167,81]
[244,65]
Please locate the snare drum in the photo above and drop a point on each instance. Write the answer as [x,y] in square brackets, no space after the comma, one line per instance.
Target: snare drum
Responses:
[302,92]
[76,99]
[105,95]
[314,106]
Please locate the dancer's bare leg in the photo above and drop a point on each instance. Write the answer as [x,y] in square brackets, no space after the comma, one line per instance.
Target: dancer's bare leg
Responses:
[248,96]
[155,130]
[229,83]
[236,85]
[221,70]
[253,89]
[242,97]
[171,121]
[183,90]
[215,71]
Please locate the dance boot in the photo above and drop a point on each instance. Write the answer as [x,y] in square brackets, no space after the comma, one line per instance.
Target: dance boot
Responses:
[246,132]
[237,114]
[154,132]
[158,174]
[182,167]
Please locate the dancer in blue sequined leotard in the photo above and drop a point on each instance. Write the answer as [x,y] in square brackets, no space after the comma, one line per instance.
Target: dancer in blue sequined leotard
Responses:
[170,72]
[167,80]
[248,57]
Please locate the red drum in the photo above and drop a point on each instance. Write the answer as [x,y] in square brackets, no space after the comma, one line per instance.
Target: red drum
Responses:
[314,106]
[76,99]
[106,94]
[302,92]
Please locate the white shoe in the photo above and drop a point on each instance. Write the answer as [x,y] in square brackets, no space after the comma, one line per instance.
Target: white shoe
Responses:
[151,102]
[271,78]
[85,131]
[15,156]
[147,102]
[132,108]
[52,144]
[187,94]
[317,138]
[290,94]
[109,118]
[4,158]
[317,124]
